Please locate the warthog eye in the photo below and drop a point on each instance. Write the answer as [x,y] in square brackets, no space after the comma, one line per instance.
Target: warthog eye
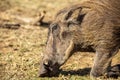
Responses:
[54,26]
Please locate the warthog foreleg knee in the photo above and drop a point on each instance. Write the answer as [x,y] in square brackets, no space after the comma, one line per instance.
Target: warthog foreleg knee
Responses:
[102,62]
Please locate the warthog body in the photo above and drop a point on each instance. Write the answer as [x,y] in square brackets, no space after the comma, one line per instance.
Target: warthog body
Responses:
[92,25]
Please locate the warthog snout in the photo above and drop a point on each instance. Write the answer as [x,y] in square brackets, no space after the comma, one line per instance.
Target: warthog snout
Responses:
[48,69]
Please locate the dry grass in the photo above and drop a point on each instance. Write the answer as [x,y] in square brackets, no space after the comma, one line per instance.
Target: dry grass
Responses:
[20,49]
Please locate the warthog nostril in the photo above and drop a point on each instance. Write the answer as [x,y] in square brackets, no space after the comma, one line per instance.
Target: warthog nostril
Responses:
[46,64]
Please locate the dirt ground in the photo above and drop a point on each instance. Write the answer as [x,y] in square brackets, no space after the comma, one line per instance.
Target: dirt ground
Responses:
[23,38]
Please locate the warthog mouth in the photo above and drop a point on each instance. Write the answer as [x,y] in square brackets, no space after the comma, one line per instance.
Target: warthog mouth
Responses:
[47,71]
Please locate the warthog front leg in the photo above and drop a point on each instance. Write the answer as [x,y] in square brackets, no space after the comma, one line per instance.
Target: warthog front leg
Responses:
[102,61]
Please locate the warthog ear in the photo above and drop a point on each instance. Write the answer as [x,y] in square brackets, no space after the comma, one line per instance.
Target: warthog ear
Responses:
[72,13]
[76,14]
[68,14]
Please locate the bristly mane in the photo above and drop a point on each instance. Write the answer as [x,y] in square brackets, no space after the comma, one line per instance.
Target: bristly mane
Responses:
[111,7]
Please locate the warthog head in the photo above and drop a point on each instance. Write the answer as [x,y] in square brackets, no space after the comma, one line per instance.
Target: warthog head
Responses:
[60,41]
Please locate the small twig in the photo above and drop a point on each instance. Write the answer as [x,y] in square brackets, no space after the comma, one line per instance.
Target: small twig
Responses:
[10,26]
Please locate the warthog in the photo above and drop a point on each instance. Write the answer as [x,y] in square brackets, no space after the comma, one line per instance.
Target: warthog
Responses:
[93,25]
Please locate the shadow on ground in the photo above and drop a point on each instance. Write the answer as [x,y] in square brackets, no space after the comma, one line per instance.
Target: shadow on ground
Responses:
[79,72]
[113,73]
